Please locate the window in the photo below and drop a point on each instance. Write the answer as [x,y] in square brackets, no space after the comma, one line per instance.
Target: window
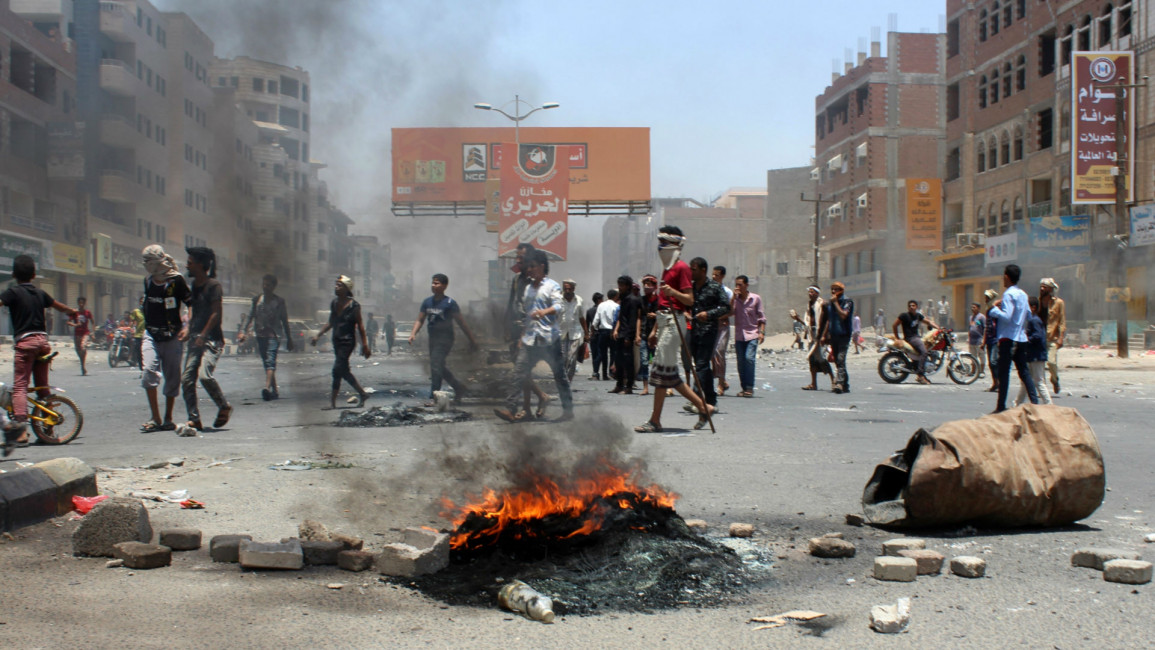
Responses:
[1065,124]
[1046,53]
[221,81]
[1018,144]
[1125,19]
[305,122]
[1067,45]
[1085,34]
[235,82]
[983,92]
[1044,121]
[1021,74]
[994,88]
[272,86]
[992,219]
[981,220]
[1018,214]
[993,153]
[983,25]
[1020,9]
[952,39]
[258,85]
[1005,148]
[783,268]
[952,102]
[995,19]
[1007,14]
[1007,76]
[1005,220]
[1105,26]
[953,164]
[981,157]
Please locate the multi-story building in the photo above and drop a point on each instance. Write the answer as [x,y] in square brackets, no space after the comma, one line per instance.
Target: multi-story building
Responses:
[788,258]
[1008,121]
[878,125]
[40,210]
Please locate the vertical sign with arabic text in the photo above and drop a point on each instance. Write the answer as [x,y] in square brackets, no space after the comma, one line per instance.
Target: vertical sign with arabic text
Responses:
[923,214]
[534,199]
[1096,78]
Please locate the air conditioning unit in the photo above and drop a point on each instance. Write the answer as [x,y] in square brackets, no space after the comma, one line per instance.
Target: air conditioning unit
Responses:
[834,210]
[815,174]
[970,239]
[862,201]
[103,287]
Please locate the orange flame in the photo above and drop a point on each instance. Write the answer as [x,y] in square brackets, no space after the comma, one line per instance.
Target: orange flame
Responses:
[587,499]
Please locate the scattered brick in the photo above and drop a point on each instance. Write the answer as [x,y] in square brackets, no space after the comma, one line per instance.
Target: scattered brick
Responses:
[1095,558]
[895,569]
[968,566]
[321,553]
[138,555]
[1128,572]
[893,546]
[355,560]
[226,548]
[271,555]
[831,547]
[741,530]
[181,539]
[929,562]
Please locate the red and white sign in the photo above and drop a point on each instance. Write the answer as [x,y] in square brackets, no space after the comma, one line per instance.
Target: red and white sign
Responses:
[1099,91]
[534,199]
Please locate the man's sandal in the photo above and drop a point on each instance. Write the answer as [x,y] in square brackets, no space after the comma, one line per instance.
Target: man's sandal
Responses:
[648,427]
[223,417]
[150,427]
[810,387]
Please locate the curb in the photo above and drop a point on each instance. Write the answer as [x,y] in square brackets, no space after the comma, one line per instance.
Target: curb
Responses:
[43,491]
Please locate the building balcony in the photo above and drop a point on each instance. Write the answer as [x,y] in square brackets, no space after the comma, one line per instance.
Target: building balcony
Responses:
[1040,209]
[117,186]
[117,22]
[118,131]
[118,78]
[41,8]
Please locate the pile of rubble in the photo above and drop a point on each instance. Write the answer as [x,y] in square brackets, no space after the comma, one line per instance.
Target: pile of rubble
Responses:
[399,415]
[119,528]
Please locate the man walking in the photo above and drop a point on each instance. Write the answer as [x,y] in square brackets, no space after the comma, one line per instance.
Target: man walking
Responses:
[719,359]
[390,328]
[991,339]
[1036,355]
[441,312]
[1012,311]
[880,323]
[165,291]
[749,332]
[268,313]
[649,308]
[676,294]
[371,331]
[1053,311]
[205,338]
[625,335]
[345,321]
[710,306]
[837,332]
[574,329]
[856,332]
[976,326]
[592,332]
[602,332]
[944,312]
[540,339]
[909,322]
[80,324]
[815,314]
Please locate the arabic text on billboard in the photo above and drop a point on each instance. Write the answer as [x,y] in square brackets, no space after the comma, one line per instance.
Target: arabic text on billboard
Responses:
[923,214]
[1096,93]
[1061,240]
[1143,225]
[439,165]
[535,199]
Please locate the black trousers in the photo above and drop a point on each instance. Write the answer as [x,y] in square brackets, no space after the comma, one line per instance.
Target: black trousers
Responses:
[702,347]
[439,349]
[601,353]
[840,345]
[1011,352]
[624,361]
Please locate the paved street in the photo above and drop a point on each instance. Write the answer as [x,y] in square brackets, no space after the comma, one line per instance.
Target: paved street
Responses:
[792,463]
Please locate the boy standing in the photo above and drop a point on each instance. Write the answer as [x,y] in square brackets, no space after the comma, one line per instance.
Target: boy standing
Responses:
[26,304]
[80,324]
[442,312]
[268,313]
[206,340]
[1036,354]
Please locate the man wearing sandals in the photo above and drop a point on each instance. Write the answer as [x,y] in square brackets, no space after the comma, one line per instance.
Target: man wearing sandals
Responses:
[205,338]
[711,305]
[540,339]
[26,304]
[815,313]
[838,331]
[440,312]
[345,321]
[749,331]
[165,292]
[675,295]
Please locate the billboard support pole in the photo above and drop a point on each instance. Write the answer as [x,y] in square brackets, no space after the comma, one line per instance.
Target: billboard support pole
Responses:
[1118,273]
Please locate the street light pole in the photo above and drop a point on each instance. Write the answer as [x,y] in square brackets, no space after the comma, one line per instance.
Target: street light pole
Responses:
[517,117]
[1117,277]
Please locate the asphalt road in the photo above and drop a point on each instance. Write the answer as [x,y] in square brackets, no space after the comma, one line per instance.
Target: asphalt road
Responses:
[792,463]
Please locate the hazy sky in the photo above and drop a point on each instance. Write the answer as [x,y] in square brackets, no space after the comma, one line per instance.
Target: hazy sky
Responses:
[727,88]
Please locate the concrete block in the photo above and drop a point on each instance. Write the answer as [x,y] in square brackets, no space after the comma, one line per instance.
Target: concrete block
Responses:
[1128,572]
[348,541]
[929,562]
[138,555]
[321,553]
[698,526]
[895,569]
[1095,558]
[855,520]
[226,548]
[831,547]
[111,522]
[890,619]
[893,546]
[741,530]
[27,496]
[356,560]
[180,539]
[968,566]
[310,530]
[423,551]
[271,555]
[72,478]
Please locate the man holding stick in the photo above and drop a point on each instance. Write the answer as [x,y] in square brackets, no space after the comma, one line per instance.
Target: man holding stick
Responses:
[675,295]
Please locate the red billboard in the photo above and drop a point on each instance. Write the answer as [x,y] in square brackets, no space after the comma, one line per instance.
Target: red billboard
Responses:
[1098,89]
[535,199]
[443,165]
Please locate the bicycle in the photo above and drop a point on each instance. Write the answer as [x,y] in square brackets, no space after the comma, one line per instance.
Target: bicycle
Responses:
[55,419]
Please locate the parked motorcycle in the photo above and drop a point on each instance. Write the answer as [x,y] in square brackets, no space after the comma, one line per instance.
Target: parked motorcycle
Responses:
[898,362]
[120,350]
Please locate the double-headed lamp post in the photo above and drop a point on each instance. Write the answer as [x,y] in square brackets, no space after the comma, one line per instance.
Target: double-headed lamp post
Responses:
[517,116]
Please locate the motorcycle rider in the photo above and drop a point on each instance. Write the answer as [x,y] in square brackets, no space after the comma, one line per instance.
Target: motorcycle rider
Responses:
[909,322]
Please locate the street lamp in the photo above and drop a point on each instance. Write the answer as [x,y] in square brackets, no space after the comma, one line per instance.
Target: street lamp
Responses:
[517,116]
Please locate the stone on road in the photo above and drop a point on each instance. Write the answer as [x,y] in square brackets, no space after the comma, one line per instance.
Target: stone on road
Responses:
[1128,572]
[831,547]
[111,522]
[929,562]
[180,539]
[226,548]
[968,566]
[895,569]
[138,555]
[356,560]
[1095,558]
[890,619]
[893,546]
[271,555]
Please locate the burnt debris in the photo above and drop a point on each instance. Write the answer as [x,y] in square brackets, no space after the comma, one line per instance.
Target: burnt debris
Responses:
[398,415]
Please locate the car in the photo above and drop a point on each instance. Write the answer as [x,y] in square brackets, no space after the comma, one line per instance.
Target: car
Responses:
[302,332]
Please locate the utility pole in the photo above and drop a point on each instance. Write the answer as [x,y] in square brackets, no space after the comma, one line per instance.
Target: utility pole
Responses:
[817,201]
[1118,273]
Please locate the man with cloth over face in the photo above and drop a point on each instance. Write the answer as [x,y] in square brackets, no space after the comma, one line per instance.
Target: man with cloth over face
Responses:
[710,306]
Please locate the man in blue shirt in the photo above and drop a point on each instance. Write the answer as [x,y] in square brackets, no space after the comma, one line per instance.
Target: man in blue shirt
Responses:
[839,313]
[441,312]
[1012,311]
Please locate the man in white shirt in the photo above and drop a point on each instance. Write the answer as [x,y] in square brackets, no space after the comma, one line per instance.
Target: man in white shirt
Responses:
[1011,312]
[718,361]
[603,329]
[574,330]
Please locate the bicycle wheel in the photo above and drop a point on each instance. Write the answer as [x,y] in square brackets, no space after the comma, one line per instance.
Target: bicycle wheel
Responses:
[60,429]
[963,369]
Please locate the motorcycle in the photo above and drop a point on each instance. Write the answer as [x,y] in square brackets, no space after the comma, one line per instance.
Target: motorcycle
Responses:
[898,361]
[120,350]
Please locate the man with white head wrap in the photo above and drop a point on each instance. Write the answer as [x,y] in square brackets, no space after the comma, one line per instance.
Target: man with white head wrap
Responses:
[165,290]
[1053,311]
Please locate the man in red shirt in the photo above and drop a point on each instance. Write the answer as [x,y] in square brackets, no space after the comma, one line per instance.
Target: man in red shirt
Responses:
[80,324]
[675,296]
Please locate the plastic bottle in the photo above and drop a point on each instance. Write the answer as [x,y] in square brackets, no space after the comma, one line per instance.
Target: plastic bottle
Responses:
[520,597]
